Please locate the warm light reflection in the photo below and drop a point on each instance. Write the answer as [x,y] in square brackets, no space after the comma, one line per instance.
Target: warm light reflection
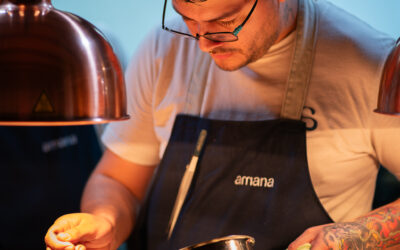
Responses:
[21,10]
[36,12]
[90,56]
[233,245]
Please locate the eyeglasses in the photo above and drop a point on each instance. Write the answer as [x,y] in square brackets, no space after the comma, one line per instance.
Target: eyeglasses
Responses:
[214,36]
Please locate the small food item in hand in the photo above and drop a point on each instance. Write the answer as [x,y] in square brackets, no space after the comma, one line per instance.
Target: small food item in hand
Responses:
[306,246]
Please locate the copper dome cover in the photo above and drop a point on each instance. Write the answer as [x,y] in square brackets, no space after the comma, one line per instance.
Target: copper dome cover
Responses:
[56,68]
[389,93]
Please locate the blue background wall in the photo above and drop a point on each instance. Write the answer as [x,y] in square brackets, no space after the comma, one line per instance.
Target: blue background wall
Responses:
[125,22]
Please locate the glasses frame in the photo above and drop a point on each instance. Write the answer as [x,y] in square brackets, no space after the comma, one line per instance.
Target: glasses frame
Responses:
[209,35]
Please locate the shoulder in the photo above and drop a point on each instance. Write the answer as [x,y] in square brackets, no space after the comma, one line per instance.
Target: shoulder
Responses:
[348,63]
[350,37]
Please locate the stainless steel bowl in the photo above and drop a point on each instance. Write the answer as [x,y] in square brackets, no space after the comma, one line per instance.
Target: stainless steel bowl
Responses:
[232,242]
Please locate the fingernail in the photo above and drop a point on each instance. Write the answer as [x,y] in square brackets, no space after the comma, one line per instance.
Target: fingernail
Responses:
[63,236]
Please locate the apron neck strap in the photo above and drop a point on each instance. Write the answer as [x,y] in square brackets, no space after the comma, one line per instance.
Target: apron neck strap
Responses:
[302,62]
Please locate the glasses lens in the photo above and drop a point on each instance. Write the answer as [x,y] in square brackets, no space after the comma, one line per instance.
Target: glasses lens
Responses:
[221,37]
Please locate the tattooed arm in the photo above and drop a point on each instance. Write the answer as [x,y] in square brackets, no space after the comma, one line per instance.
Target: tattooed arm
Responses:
[379,229]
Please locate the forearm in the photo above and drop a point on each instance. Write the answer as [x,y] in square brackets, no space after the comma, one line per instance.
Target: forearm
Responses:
[376,230]
[106,197]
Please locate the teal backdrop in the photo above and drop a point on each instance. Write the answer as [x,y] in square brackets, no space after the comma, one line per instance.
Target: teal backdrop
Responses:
[126,22]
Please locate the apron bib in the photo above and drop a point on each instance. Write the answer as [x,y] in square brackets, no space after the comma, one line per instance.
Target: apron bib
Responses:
[251,178]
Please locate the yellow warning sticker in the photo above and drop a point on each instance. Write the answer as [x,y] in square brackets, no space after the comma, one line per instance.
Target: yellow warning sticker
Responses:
[43,105]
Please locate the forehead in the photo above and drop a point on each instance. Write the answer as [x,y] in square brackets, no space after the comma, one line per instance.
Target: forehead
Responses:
[208,10]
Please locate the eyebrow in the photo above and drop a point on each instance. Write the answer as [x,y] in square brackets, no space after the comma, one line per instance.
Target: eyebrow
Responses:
[224,15]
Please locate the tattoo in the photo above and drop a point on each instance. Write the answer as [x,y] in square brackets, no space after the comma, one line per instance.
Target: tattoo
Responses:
[384,225]
[379,229]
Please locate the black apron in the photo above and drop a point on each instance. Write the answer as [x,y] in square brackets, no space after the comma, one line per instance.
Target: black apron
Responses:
[252,177]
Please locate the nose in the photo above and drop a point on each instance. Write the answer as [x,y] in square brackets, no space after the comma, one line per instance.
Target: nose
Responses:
[207,45]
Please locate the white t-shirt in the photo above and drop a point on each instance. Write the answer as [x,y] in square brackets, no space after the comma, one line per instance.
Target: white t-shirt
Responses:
[350,140]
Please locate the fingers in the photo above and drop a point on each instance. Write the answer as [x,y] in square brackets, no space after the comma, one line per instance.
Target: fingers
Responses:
[320,244]
[80,247]
[77,247]
[53,242]
[100,248]
[61,236]
[307,237]
[97,245]
[72,235]
[79,232]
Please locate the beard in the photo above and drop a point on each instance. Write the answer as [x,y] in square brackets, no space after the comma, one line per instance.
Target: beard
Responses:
[243,56]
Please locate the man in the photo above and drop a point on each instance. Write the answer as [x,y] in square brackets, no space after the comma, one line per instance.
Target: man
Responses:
[289,94]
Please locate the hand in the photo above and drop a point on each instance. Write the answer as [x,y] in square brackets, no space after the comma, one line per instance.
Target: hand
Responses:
[336,236]
[80,231]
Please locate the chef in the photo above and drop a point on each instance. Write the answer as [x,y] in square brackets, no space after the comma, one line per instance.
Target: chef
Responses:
[249,117]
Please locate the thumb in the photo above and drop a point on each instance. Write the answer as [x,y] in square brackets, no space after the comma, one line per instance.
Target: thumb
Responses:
[80,247]
[70,235]
[63,237]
